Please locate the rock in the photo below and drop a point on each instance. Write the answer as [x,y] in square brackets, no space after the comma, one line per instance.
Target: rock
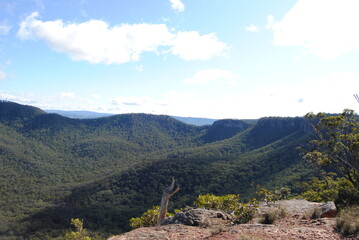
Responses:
[301,208]
[327,210]
[197,217]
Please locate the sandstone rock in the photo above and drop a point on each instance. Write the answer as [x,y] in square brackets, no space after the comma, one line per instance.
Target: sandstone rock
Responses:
[327,210]
[197,217]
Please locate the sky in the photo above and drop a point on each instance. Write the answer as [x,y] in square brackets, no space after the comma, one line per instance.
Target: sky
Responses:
[239,59]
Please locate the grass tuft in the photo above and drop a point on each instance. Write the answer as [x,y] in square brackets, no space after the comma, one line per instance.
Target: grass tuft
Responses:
[273,215]
[348,221]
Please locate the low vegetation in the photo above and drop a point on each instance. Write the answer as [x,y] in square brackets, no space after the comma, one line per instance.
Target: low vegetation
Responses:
[348,221]
[242,212]
[79,234]
[326,188]
[273,215]
[148,218]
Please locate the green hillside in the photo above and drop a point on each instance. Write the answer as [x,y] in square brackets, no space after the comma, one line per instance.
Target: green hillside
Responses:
[107,170]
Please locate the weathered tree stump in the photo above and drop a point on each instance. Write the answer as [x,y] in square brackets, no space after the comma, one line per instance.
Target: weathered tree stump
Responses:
[167,194]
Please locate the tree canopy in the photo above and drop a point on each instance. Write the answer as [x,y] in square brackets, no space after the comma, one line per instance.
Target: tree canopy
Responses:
[337,143]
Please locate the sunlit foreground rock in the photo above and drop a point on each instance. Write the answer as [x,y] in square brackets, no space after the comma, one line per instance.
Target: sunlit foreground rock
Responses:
[216,225]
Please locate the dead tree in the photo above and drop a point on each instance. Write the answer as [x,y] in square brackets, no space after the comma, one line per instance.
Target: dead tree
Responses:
[356,97]
[167,194]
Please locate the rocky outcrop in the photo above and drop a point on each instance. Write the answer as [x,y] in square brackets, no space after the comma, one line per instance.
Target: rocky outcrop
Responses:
[198,217]
[213,225]
[302,208]
[285,123]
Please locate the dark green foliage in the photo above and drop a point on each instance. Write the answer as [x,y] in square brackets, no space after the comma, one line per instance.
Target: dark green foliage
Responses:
[223,129]
[108,170]
[326,189]
[347,197]
[11,112]
[336,149]
[337,144]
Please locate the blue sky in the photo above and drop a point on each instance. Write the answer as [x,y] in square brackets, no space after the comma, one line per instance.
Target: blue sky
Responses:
[199,58]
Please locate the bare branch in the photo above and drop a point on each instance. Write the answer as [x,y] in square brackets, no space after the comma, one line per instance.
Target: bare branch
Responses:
[356,97]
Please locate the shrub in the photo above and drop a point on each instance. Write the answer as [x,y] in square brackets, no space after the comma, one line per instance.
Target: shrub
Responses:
[267,196]
[347,196]
[326,189]
[79,234]
[243,212]
[283,193]
[273,215]
[227,203]
[348,221]
[148,218]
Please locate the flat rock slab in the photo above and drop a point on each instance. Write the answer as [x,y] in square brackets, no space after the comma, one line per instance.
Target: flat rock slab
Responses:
[301,207]
[167,232]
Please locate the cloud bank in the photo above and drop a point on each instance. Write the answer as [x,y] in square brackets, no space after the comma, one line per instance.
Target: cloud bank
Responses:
[96,42]
[177,5]
[326,28]
[252,28]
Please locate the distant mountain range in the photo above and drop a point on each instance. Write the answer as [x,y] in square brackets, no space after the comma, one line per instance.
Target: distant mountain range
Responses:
[106,170]
[89,115]
[79,114]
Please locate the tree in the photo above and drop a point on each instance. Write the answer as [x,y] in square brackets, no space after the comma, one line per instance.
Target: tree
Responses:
[167,194]
[79,234]
[337,144]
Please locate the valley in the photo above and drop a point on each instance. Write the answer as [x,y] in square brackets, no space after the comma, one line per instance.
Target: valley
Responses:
[109,169]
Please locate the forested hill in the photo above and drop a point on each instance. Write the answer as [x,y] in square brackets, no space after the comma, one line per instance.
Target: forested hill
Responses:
[109,169]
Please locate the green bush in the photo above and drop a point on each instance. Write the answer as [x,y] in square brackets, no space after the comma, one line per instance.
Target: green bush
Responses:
[348,221]
[267,196]
[148,218]
[243,212]
[227,203]
[79,234]
[326,189]
[347,196]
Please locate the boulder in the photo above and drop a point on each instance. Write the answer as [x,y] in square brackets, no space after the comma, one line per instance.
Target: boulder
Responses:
[327,210]
[302,208]
[197,217]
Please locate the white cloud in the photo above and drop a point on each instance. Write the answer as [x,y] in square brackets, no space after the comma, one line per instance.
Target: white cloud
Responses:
[177,5]
[327,28]
[252,28]
[192,46]
[96,42]
[210,75]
